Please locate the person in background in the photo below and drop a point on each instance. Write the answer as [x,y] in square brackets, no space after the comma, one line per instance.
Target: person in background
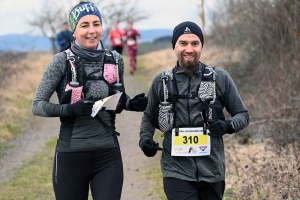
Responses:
[64,37]
[188,108]
[131,36]
[87,153]
[115,36]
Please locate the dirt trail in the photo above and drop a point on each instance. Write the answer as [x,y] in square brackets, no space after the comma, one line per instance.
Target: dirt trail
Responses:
[135,186]
[26,145]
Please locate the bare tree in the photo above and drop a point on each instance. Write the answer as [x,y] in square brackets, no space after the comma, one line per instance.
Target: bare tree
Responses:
[123,10]
[202,16]
[49,20]
[50,17]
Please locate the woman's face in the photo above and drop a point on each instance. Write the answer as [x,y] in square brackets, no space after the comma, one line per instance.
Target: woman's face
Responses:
[88,31]
[129,25]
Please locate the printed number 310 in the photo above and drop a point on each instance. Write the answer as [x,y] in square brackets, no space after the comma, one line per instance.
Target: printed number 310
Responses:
[190,139]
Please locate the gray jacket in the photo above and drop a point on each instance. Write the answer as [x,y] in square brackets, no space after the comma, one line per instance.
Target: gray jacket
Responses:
[76,133]
[202,168]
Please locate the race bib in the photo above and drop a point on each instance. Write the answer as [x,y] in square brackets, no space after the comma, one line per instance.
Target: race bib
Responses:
[130,41]
[190,142]
[117,41]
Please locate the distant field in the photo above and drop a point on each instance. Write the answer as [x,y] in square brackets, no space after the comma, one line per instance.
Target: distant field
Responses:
[16,92]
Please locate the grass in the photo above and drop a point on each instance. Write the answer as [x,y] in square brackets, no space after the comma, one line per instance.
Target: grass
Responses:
[155,174]
[15,108]
[33,179]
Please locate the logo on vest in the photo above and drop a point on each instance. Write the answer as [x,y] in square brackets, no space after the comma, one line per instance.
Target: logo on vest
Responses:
[187,30]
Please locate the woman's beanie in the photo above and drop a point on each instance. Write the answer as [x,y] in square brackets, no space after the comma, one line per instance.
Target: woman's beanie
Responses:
[83,9]
[186,28]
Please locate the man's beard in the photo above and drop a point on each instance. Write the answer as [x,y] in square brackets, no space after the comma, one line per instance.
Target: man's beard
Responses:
[189,66]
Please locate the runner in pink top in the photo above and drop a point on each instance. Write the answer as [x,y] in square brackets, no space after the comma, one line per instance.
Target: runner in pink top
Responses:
[115,36]
[132,35]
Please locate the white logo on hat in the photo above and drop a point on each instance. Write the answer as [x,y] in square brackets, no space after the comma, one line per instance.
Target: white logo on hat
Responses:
[187,30]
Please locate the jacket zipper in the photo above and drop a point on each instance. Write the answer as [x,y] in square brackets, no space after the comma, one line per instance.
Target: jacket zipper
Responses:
[188,106]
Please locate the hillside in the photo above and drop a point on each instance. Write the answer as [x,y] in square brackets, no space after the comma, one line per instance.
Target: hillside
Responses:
[16,42]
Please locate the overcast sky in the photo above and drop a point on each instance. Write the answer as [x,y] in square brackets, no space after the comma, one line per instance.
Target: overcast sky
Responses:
[163,14]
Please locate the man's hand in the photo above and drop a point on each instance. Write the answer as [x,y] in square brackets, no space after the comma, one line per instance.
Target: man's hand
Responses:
[150,148]
[219,128]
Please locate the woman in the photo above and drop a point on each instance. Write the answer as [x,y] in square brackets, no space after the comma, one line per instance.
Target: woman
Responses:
[87,151]
[131,36]
[115,36]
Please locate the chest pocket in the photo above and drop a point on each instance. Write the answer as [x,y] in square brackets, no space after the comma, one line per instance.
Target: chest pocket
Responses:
[95,84]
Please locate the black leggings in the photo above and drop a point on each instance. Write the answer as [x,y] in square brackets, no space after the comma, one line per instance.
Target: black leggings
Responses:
[177,189]
[102,169]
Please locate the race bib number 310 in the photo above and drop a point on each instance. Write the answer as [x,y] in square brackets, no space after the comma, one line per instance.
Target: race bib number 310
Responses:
[190,142]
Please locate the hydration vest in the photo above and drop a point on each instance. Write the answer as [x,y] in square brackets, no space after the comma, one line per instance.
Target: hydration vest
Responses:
[164,116]
[83,79]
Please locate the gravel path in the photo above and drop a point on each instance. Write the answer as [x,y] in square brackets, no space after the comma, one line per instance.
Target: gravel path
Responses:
[135,186]
[26,145]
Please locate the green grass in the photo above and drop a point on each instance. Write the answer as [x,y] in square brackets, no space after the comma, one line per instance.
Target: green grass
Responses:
[12,124]
[33,179]
[155,174]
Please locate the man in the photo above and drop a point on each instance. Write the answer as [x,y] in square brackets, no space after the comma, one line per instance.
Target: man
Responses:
[115,36]
[193,160]
[64,37]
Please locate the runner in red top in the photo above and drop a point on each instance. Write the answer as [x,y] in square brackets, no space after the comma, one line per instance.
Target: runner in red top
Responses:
[132,35]
[115,36]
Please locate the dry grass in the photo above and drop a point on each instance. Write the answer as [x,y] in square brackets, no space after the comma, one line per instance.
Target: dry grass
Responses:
[17,93]
[262,171]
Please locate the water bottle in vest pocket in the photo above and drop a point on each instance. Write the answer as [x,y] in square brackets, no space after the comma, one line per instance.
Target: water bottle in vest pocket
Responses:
[110,73]
[163,117]
[206,91]
[77,93]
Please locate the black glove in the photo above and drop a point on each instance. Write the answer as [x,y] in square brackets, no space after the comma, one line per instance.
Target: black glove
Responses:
[150,148]
[81,108]
[65,97]
[219,127]
[138,103]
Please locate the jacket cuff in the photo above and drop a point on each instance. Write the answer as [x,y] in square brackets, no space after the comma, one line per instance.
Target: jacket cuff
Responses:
[231,128]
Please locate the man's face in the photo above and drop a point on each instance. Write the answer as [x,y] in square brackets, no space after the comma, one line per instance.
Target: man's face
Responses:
[65,27]
[188,51]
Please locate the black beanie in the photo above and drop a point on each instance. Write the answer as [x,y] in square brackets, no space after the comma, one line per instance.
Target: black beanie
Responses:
[186,28]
